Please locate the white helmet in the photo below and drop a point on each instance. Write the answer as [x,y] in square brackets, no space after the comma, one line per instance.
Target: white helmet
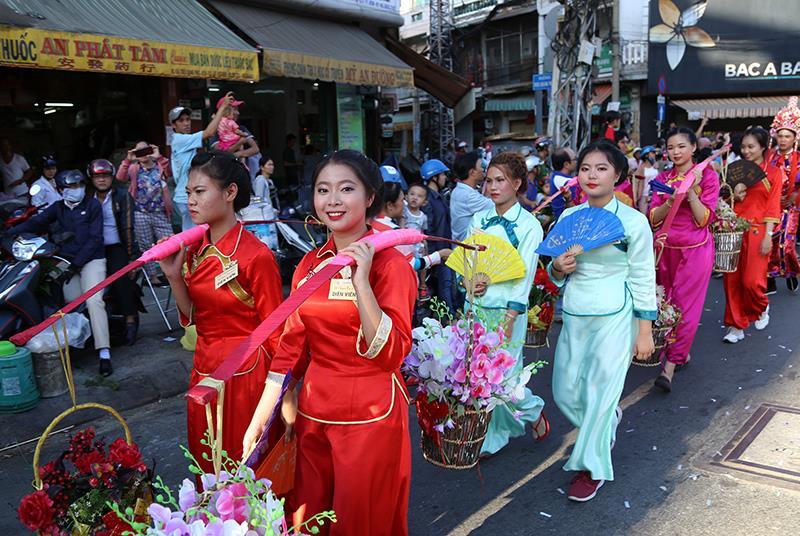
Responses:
[531,162]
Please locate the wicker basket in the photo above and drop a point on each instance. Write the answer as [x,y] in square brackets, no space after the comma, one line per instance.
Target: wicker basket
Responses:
[662,337]
[536,338]
[460,446]
[726,251]
[142,503]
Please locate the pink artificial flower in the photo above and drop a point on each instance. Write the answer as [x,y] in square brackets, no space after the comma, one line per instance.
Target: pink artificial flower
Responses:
[503,360]
[481,391]
[460,374]
[494,374]
[478,330]
[480,365]
[232,503]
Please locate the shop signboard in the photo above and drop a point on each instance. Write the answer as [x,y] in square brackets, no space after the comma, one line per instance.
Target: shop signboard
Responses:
[296,65]
[350,118]
[65,51]
[604,63]
[722,47]
[392,6]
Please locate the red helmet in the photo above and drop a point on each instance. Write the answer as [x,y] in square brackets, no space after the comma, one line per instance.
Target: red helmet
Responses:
[101,166]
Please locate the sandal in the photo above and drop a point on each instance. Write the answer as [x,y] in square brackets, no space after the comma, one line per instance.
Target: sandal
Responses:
[542,422]
[663,383]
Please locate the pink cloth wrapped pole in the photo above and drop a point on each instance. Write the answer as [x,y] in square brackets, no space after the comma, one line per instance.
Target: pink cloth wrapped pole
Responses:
[155,253]
[204,394]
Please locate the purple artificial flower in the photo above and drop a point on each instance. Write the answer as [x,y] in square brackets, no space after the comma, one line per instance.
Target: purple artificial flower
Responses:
[160,514]
[209,480]
[175,527]
[187,495]
[491,339]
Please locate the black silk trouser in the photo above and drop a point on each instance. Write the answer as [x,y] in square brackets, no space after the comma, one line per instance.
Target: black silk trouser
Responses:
[124,290]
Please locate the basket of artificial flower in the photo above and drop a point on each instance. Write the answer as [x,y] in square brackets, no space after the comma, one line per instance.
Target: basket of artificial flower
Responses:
[463,369]
[669,316]
[542,300]
[235,503]
[728,230]
[75,492]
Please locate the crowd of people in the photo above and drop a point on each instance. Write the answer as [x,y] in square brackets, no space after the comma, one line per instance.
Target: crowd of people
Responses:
[347,400]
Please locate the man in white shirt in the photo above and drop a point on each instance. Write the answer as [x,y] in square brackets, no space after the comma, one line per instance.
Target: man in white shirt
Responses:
[465,200]
[14,169]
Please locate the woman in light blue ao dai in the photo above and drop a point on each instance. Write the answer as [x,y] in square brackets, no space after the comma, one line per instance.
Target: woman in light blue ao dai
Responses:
[609,306]
[506,303]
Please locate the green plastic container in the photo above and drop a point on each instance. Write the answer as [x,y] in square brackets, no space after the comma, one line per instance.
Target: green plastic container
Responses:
[18,391]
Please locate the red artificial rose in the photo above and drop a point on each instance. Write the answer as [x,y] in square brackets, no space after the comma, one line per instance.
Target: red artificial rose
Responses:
[128,456]
[36,510]
[546,314]
[429,414]
[84,461]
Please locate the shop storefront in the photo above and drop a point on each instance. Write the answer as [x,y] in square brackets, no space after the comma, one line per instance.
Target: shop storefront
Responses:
[83,79]
[321,80]
[737,70]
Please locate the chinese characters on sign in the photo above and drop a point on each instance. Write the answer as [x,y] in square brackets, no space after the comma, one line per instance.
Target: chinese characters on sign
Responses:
[33,47]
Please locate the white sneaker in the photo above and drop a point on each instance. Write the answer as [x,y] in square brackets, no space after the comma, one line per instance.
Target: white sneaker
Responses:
[763,320]
[734,335]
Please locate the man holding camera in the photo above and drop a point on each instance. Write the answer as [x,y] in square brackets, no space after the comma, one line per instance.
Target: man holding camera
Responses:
[147,171]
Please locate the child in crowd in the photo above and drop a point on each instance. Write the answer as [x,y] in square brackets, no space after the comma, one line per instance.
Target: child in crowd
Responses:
[413,215]
[414,218]
[231,137]
[392,212]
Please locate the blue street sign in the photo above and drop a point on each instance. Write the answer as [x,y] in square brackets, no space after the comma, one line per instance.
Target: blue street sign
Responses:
[662,84]
[542,82]
[662,111]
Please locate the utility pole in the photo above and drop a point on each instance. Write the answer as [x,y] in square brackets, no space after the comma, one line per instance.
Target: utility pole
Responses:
[442,126]
[615,52]
[570,117]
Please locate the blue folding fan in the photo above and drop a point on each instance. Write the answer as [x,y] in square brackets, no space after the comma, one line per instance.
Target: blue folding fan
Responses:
[661,187]
[581,231]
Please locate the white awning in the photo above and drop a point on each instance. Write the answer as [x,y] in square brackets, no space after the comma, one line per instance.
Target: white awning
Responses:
[734,108]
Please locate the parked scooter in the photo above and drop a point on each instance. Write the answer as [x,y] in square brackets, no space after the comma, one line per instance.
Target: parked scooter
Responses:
[28,282]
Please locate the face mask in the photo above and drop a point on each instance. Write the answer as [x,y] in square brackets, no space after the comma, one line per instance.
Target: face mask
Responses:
[74,195]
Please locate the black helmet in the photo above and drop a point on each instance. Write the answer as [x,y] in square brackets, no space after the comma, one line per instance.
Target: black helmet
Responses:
[69,177]
[101,166]
[49,160]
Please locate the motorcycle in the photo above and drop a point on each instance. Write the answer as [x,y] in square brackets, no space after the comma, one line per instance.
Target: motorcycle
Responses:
[28,277]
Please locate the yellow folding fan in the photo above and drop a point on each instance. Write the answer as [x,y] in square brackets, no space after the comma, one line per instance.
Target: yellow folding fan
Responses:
[499,262]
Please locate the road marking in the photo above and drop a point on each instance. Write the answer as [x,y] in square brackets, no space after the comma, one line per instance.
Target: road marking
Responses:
[474,521]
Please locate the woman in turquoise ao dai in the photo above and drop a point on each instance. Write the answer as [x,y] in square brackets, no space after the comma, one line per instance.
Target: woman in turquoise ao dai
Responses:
[506,303]
[609,306]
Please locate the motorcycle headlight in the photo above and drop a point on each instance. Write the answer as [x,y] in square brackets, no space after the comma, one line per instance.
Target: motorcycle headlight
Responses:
[23,251]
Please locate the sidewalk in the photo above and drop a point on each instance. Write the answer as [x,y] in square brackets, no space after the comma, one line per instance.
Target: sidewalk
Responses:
[150,370]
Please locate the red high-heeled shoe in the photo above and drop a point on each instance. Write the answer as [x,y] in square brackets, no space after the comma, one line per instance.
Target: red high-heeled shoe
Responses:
[541,436]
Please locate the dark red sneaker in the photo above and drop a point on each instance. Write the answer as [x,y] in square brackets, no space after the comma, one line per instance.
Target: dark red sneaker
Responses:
[583,488]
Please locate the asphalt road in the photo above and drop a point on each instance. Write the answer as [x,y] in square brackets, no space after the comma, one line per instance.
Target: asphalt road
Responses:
[665,483]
